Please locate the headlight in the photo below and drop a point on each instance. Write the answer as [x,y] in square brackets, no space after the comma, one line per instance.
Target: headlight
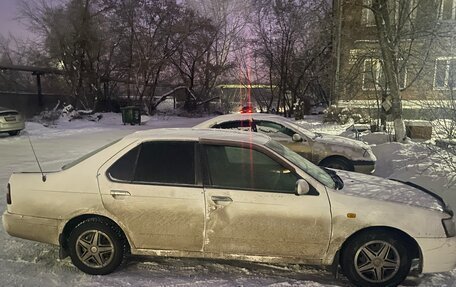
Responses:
[450,226]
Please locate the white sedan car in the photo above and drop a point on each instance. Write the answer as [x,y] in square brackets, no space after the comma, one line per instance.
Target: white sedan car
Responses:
[230,195]
[324,150]
[11,121]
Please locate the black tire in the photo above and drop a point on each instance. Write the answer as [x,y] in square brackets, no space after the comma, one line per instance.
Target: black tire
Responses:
[101,257]
[337,163]
[374,259]
[13,133]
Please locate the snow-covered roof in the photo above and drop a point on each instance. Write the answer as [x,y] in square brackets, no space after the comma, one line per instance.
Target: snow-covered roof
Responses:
[200,134]
[237,117]
[3,109]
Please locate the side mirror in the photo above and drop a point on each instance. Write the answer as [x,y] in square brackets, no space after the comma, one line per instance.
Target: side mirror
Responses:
[302,187]
[297,138]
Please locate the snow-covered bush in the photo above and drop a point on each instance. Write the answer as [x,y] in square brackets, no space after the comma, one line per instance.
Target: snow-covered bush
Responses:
[68,113]
[67,109]
[343,115]
[73,115]
[48,117]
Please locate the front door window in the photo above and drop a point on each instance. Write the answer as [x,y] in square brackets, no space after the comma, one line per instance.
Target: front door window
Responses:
[244,168]
[275,130]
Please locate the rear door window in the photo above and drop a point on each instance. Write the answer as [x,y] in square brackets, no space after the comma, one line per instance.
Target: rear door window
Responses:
[166,162]
[159,162]
[124,168]
[245,125]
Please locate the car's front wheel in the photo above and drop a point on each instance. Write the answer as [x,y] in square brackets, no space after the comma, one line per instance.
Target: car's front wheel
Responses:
[374,259]
[96,246]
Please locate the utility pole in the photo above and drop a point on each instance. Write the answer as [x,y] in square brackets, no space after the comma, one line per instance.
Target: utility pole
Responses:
[38,86]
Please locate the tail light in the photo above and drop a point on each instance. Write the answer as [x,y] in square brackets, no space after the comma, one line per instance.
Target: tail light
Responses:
[8,194]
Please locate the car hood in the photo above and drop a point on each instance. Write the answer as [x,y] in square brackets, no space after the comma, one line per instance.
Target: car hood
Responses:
[378,188]
[340,141]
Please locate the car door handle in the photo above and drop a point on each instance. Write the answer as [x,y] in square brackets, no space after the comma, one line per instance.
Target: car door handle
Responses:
[221,199]
[115,193]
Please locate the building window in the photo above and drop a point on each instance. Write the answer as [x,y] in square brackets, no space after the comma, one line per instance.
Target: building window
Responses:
[368,18]
[374,78]
[447,10]
[410,7]
[372,74]
[445,73]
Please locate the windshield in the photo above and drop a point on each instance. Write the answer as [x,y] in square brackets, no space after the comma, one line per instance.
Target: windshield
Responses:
[316,172]
[73,163]
[307,133]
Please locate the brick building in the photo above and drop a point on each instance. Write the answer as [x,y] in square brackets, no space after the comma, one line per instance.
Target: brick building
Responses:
[426,56]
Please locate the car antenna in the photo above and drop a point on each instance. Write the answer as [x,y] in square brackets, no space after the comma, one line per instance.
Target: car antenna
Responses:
[43,176]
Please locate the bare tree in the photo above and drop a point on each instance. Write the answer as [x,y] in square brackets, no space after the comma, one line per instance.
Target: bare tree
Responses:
[404,41]
[228,18]
[154,36]
[293,39]
[73,37]
[101,42]
[13,52]
[193,57]
[139,45]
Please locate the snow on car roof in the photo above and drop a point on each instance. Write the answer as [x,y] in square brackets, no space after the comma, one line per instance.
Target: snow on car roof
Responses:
[3,109]
[234,117]
[201,134]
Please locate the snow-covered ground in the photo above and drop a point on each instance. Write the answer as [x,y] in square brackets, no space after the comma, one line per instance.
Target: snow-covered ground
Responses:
[26,263]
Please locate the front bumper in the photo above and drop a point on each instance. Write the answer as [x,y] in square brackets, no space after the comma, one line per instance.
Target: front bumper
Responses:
[364,166]
[439,254]
[31,228]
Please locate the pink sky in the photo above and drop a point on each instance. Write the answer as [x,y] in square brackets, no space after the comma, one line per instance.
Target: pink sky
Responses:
[8,23]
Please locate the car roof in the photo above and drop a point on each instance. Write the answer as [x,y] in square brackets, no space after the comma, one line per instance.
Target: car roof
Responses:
[193,134]
[3,109]
[237,117]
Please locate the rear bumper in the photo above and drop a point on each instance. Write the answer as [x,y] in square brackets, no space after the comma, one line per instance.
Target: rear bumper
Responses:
[13,126]
[439,254]
[366,167]
[31,228]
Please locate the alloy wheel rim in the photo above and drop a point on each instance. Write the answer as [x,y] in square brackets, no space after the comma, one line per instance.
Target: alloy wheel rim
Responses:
[377,261]
[95,249]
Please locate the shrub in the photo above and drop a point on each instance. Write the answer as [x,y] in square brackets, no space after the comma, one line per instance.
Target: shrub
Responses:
[343,115]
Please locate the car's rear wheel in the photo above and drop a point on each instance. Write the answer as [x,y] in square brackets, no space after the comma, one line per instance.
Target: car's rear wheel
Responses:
[96,246]
[375,259]
[13,133]
[337,163]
